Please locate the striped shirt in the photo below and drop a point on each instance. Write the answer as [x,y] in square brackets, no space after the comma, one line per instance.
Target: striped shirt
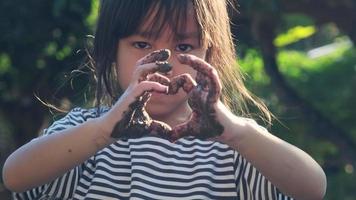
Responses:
[154,168]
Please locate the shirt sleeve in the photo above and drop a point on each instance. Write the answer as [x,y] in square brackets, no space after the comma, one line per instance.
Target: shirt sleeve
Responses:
[251,184]
[64,186]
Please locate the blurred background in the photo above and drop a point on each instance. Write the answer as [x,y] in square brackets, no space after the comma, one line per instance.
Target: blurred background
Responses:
[298,56]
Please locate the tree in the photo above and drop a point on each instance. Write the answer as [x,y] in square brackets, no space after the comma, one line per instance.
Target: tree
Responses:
[38,41]
[259,23]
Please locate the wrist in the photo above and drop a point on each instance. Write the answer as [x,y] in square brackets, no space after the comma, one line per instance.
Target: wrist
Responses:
[108,121]
[229,121]
[235,133]
[103,131]
[236,129]
[245,132]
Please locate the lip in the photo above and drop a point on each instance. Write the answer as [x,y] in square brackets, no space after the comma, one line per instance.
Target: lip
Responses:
[159,95]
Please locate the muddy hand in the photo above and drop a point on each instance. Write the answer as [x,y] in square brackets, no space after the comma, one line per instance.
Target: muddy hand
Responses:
[136,122]
[202,97]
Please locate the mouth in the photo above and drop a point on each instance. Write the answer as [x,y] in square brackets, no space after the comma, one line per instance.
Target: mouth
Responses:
[164,99]
[159,97]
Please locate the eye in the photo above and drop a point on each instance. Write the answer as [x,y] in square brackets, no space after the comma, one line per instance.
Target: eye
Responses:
[141,45]
[184,47]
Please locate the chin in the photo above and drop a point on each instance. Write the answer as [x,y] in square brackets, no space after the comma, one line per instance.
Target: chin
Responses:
[156,109]
[163,105]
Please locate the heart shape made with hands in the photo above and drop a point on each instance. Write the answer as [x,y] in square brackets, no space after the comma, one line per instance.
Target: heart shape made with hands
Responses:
[203,93]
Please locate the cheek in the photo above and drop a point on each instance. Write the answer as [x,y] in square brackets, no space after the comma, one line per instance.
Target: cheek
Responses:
[122,65]
[124,68]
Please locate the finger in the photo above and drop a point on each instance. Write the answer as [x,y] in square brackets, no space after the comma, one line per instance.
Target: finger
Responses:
[151,63]
[203,81]
[141,92]
[179,131]
[184,81]
[164,67]
[188,128]
[200,65]
[149,86]
[207,76]
[158,78]
[196,63]
[160,129]
[158,55]
[144,90]
[143,100]
[143,71]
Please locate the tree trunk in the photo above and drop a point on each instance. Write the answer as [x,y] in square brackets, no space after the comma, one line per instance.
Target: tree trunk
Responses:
[264,29]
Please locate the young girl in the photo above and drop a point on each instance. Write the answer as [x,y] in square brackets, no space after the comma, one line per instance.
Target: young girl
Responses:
[95,154]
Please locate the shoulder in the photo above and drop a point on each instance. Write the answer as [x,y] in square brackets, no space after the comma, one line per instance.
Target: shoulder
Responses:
[86,113]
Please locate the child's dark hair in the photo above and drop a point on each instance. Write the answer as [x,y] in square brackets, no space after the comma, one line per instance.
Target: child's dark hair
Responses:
[122,18]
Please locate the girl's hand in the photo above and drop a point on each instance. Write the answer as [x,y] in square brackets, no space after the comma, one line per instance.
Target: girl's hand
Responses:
[135,121]
[203,98]
[204,93]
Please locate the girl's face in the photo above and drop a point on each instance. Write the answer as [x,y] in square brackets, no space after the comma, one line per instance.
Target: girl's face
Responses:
[134,47]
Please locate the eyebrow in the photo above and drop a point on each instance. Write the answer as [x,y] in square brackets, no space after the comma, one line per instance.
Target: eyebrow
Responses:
[179,36]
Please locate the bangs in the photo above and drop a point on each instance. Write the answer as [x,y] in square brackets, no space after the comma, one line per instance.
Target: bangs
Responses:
[155,16]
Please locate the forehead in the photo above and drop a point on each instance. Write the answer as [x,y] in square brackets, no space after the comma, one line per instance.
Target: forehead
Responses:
[179,22]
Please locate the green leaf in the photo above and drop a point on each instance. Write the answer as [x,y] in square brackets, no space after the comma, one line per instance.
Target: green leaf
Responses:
[5,63]
[293,35]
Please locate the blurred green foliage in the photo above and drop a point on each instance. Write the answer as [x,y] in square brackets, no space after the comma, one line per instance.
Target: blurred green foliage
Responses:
[39,41]
[293,35]
[42,44]
[329,83]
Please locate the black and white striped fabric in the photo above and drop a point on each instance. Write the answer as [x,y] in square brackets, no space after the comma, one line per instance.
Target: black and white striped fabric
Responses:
[154,168]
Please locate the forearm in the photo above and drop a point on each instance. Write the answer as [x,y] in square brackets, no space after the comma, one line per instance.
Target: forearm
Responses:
[290,169]
[46,158]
